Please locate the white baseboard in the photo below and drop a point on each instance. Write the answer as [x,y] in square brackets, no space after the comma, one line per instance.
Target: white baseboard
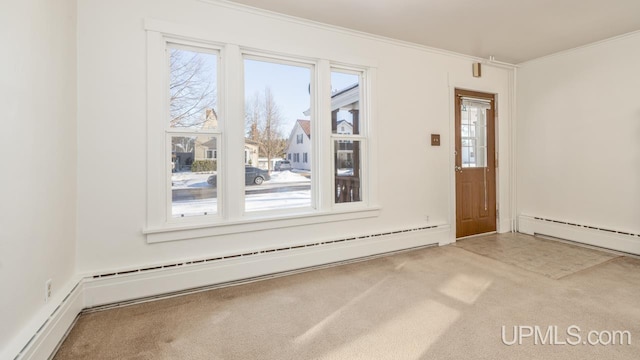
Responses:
[42,340]
[609,239]
[39,339]
[116,289]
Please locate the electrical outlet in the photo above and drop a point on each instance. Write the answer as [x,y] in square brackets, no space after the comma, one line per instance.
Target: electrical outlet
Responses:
[47,290]
[427,218]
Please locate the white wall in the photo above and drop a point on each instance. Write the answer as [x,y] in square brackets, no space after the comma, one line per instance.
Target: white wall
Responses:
[579,135]
[414,94]
[38,146]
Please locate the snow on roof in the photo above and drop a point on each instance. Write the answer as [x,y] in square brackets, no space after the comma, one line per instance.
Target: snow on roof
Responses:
[342,91]
[344,122]
[348,95]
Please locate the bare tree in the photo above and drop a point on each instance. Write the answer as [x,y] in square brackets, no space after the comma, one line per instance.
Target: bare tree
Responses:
[253,114]
[263,124]
[192,87]
[183,144]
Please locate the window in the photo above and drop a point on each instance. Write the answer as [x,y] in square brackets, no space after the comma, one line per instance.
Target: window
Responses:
[474,133]
[211,154]
[212,144]
[192,130]
[348,143]
[276,95]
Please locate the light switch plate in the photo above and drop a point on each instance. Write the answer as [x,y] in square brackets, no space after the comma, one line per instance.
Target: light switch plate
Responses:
[435,139]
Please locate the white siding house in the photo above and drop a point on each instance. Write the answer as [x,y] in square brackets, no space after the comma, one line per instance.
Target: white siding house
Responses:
[251,150]
[344,106]
[344,148]
[299,148]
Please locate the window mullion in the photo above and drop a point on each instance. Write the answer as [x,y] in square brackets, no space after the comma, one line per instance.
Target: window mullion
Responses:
[233,136]
[187,131]
[348,137]
[323,151]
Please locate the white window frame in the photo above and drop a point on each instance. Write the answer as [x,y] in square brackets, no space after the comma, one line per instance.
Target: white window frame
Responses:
[254,55]
[172,43]
[231,218]
[363,138]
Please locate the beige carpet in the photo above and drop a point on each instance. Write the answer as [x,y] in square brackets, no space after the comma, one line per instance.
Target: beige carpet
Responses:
[435,303]
[550,258]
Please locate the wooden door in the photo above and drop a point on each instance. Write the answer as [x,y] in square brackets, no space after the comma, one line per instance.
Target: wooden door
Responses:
[475,166]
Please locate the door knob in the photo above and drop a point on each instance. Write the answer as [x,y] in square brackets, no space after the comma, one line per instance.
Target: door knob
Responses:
[458,168]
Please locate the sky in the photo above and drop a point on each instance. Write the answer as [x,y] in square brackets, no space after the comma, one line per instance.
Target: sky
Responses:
[289,85]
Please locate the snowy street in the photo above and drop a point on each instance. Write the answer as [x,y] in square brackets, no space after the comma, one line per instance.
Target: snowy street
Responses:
[188,180]
[192,195]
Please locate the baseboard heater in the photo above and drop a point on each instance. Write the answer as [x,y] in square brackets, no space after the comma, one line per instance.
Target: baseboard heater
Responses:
[258,252]
[245,281]
[61,320]
[619,240]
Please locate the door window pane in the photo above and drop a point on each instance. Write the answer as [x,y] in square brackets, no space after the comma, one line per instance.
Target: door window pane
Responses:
[277,124]
[474,135]
[194,175]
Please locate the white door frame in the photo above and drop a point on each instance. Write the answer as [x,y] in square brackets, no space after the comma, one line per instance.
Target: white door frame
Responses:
[505,179]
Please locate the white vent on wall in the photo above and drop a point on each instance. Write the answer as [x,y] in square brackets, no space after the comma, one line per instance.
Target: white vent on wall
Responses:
[254,253]
[588,227]
[624,241]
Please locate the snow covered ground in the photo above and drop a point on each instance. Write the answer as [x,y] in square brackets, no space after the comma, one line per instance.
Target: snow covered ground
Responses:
[281,200]
[253,202]
[194,207]
[286,177]
[189,180]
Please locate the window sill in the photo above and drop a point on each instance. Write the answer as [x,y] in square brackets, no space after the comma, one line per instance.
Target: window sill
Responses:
[256,223]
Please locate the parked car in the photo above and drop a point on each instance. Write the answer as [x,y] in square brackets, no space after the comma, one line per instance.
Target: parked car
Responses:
[252,175]
[282,165]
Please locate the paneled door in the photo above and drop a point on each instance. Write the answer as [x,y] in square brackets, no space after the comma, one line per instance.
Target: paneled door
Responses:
[475,165]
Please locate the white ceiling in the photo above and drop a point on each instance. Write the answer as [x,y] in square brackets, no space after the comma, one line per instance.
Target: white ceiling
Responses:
[512,31]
